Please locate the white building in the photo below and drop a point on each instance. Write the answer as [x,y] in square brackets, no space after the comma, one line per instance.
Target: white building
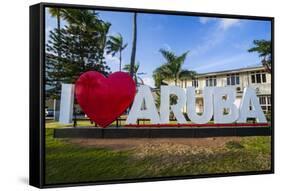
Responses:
[255,77]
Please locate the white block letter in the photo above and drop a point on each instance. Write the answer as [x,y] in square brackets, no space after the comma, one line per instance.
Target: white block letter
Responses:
[66,103]
[166,91]
[221,104]
[144,95]
[250,99]
[208,105]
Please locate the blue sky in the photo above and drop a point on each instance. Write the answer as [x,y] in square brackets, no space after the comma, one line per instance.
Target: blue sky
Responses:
[215,44]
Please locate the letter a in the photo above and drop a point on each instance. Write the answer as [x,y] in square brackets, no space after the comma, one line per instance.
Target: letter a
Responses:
[250,99]
[144,95]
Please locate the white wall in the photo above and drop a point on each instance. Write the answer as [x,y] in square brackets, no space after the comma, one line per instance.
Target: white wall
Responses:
[245,81]
[14,94]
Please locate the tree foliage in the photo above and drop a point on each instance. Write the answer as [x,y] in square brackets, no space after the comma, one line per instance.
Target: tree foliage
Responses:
[263,48]
[127,68]
[171,69]
[115,44]
[81,44]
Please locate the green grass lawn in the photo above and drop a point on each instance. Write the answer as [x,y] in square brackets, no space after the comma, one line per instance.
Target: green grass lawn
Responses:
[68,162]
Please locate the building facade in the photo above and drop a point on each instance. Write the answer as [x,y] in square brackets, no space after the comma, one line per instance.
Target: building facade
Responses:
[255,77]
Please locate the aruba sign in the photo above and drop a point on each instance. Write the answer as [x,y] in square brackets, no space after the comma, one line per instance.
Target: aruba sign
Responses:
[105,99]
[216,101]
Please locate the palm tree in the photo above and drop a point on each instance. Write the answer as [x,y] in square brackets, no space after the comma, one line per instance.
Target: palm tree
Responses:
[127,68]
[86,20]
[172,68]
[89,22]
[56,12]
[134,45]
[103,27]
[263,48]
[115,45]
[86,27]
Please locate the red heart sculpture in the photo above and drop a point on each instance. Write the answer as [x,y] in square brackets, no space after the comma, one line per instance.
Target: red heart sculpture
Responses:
[104,99]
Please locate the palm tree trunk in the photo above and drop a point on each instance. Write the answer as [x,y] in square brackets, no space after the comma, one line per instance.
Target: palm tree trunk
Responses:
[134,45]
[120,60]
[136,79]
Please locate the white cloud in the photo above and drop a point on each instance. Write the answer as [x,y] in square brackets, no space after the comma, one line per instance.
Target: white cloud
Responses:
[113,62]
[156,27]
[110,58]
[205,20]
[167,46]
[228,61]
[148,81]
[242,45]
[222,23]
[227,23]
[216,36]
[208,42]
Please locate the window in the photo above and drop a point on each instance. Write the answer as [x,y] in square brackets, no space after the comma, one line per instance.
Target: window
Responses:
[233,79]
[262,100]
[258,77]
[195,82]
[237,79]
[211,81]
[269,100]
[263,78]
[253,78]
[265,102]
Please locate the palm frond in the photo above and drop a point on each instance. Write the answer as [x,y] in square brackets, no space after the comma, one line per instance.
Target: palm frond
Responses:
[168,55]
[171,69]
[185,74]
[54,11]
